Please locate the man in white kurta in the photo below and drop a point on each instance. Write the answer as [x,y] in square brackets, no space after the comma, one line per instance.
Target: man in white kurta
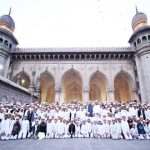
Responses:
[114,130]
[24,128]
[50,129]
[100,130]
[84,129]
[78,130]
[134,132]
[5,128]
[60,128]
[125,128]
[106,129]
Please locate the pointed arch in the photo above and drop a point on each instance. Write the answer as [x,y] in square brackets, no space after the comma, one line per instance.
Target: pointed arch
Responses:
[72,86]
[98,86]
[47,87]
[23,79]
[123,85]
[4,100]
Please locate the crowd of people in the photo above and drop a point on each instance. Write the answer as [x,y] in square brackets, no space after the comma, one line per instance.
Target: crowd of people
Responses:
[93,119]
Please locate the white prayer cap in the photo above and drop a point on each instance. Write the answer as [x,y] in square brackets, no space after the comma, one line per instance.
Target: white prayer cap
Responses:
[17,117]
[43,118]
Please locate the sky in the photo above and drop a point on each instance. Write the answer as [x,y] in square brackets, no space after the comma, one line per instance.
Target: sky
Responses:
[73,23]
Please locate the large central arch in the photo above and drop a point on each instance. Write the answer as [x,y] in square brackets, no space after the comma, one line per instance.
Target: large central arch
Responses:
[71,86]
[123,87]
[98,84]
[47,88]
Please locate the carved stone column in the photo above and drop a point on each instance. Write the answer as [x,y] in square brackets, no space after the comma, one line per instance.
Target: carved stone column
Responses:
[37,89]
[32,85]
[18,79]
[86,95]
[110,96]
[57,95]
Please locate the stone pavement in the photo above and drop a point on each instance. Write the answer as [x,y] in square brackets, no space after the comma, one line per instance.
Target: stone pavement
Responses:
[75,144]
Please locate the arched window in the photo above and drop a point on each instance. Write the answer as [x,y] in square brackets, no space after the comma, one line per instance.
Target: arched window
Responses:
[144,38]
[149,37]
[134,44]
[10,45]
[6,42]
[23,79]
[1,40]
[3,100]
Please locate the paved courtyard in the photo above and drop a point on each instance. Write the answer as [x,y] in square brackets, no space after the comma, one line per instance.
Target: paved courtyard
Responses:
[75,144]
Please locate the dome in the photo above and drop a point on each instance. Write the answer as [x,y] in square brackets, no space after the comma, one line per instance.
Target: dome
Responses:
[6,22]
[139,20]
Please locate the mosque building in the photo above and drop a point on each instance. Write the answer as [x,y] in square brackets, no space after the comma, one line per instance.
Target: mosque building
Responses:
[63,74]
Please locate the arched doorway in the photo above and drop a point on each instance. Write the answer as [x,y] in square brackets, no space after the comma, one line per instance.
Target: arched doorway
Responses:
[72,86]
[3,100]
[23,79]
[98,87]
[47,88]
[123,88]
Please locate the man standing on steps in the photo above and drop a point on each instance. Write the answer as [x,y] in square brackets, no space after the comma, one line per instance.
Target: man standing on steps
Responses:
[72,128]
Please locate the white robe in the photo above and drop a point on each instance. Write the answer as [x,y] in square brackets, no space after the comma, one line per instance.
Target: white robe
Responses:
[5,128]
[114,131]
[96,109]
[106,130]
[66,135]
[94,130]
[24,129]
[100,131]
[134,132]
[78,131]
[125,129]
[50,130]
[61,129]
[84,130]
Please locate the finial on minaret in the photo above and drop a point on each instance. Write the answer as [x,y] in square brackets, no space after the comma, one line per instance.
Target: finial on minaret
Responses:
[136,9]
[10,11]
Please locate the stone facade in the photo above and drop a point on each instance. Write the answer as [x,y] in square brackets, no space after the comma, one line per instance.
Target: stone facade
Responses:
[13,93]
[63,74]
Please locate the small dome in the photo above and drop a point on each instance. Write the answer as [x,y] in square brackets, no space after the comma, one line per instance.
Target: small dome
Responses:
[139,20]
[6,22]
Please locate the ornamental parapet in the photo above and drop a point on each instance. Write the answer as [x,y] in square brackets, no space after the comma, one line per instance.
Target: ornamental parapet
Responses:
[93,55]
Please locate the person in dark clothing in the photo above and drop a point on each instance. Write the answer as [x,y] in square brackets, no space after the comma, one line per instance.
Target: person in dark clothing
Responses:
[72,128]
[130,122]
[141,112]
[141,130]
[34,131]
[30,116]
[42,129]
[16,129]
[90,109]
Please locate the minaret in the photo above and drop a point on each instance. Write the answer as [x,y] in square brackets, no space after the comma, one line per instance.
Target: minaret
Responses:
[8,42]
[140,43]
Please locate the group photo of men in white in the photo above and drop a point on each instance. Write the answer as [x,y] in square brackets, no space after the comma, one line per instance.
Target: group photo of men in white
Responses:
[94,119]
